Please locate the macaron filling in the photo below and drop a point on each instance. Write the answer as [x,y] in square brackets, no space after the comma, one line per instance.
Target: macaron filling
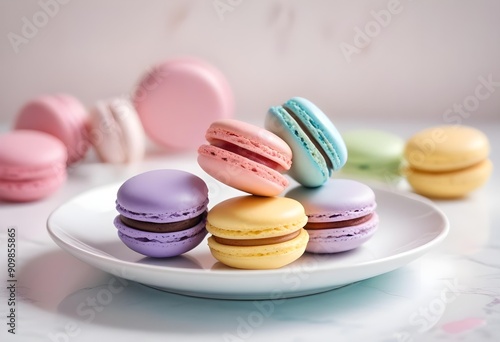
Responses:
[260,257]
[341,215]
[162,238]
[441,172]
[310,168]
[339,224]
[251,142]
[253,156]
[319,126]
[311,136]
[162,227]
[257,242]
[162,213]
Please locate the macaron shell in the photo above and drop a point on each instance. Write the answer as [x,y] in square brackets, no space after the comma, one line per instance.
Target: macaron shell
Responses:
[79,119]
[161,245]
[260,257]
[308,165]
[453,184]
[62,116]
[240,172]
[373,150]
[31,190]
[341,239]
[181,96]
[131,129]
[252,138]
[321,128]
[116,132]
[162,196]
[32,165]
[254,217]
[27,154]
[105,135]
[446,148]
[336,200]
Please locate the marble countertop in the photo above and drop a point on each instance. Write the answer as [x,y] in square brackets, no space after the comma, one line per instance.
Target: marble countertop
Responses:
[450,294]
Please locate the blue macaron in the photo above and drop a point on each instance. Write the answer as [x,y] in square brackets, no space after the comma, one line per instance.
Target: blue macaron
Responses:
[317,146]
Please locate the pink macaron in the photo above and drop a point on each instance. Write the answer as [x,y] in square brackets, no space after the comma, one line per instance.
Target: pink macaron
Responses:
[179,98]
[60,115]
[116,132]
[246,157]
[32,165]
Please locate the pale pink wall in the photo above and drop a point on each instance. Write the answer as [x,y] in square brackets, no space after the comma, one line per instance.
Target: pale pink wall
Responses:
[423,57]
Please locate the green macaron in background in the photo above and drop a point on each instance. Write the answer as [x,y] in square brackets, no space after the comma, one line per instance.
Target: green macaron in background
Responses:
[373,154]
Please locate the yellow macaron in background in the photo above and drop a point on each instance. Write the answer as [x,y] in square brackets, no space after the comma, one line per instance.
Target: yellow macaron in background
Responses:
[447,161]
[253,232]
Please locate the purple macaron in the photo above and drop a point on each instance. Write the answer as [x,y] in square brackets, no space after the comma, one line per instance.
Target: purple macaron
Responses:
[162,212]
[341,215]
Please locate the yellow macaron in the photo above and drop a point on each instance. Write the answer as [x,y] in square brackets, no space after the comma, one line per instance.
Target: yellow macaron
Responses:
[253,232]
[447,161]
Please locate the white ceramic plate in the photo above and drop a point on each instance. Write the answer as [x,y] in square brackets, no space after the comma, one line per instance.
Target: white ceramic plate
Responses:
[409,226]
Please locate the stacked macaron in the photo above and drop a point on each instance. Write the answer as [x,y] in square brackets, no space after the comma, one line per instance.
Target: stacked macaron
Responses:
[317,146]
[245,157]
[340,212]
[299,139]
[255,232]
[261,231]
[258,231]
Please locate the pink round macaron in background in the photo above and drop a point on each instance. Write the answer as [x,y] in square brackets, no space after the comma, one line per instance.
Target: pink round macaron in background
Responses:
[60,115]
[116,132]
[32,165]
[179,98]
[246,157]
[341,215]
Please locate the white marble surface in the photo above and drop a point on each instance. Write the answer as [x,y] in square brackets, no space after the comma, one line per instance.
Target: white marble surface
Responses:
[450,294]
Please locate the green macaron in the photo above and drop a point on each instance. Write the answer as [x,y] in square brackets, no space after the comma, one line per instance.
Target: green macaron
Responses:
[373,152]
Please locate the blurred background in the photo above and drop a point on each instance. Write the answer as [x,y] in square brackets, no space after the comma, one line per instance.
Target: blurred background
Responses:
[387,59]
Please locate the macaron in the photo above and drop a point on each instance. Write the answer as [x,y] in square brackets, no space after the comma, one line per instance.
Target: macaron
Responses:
[447,161]
[373,153]
[254,232]
[32,165]
[246,157]
[162,213]
[179,98]
[116,132]
[341,215]
[60,115]
[317,146]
